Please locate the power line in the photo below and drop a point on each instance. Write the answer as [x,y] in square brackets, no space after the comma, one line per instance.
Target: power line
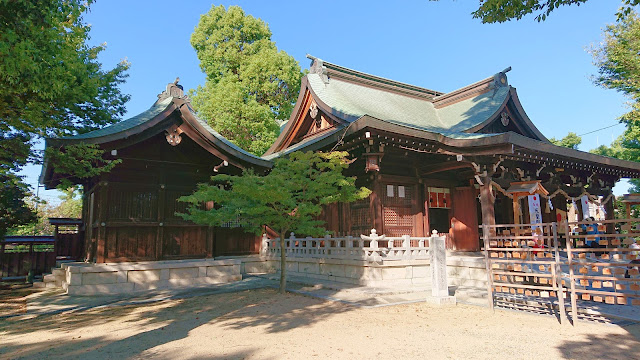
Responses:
[606,127]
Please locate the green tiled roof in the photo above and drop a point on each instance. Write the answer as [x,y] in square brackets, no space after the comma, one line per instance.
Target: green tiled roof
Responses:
[129,123]
[351,101]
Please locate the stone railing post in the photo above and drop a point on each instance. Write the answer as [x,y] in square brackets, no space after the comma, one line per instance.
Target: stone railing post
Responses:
[264,246]
[406,244]
[438,259]
[307,248]
[373,242]
[327,244]
[292,242]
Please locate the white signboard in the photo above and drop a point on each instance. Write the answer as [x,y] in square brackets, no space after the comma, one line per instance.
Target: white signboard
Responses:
[584,201]
[535,211]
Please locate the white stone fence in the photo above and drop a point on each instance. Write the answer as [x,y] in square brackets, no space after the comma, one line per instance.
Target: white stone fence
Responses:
[373,247]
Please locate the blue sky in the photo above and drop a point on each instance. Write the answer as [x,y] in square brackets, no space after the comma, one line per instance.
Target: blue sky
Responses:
[436,45]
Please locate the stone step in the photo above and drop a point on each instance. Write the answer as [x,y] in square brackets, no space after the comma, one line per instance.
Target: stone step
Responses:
[53,284]
[39,285]
[58,272]
[49,278]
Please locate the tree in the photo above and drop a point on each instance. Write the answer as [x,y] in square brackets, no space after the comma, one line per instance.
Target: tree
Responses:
[492,11]
[13,208]
[288,199]
[52,83]
[69,207]
[618,61]
[570,141]
[250,86]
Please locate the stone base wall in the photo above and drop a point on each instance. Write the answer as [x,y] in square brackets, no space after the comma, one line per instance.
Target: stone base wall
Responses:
[466,270]
[124,278]
[386,273]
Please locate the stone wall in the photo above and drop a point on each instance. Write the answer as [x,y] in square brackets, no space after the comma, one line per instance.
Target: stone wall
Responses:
[467,270]
[124,278]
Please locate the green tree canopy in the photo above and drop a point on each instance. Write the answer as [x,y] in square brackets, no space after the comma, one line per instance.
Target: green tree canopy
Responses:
[493,11]
[570,141]
[52,82]
[70,206]
[288,199]
[250,86]
[618,61]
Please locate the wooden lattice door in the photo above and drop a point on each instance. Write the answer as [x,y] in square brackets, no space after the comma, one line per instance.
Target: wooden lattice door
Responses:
[398,209]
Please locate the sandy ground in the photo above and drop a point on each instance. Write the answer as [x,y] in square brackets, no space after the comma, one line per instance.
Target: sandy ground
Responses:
[262,324]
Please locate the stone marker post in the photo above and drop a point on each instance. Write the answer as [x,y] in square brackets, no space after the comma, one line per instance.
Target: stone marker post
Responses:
[438,259]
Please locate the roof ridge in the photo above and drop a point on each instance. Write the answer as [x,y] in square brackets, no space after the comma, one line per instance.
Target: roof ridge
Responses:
[497,80]
[326,70]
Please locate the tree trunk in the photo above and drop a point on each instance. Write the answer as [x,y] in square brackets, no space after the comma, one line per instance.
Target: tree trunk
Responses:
[283,265]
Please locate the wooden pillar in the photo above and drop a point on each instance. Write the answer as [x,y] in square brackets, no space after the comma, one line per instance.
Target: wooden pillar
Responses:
[103,202]
[375,205]
[609,213]
[579,213]
[419,210]
[425,219]
[161,216]
[487,203]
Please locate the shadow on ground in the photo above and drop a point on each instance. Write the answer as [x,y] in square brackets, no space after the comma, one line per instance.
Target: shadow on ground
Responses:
[151,325]
[604,346]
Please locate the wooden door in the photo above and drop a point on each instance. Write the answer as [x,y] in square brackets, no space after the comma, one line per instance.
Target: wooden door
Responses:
[464,223]
[399,209]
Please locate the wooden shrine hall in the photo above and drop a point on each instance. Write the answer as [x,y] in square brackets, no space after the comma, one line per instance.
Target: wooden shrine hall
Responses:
[439,161]
[434,161]
[129,214]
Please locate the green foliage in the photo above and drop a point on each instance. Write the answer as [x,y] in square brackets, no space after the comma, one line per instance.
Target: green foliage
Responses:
[13,208]
[250,87]
[288,199]
[618,61]
[80,161]
[570,141]
[52,82]
[497,11]
[69,207]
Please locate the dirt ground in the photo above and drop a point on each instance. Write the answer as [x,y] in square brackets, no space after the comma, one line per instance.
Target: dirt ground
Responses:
[262,324]
[12,298]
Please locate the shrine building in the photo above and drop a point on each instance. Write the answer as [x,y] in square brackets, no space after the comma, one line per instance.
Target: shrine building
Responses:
[434,161]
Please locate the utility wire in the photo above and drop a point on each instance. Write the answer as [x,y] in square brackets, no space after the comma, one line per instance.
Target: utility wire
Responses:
[606,127]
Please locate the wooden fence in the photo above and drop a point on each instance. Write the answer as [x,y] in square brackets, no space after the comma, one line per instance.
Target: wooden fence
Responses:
[550,267]
[21,254]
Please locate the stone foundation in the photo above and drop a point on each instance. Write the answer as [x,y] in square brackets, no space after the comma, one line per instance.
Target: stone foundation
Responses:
[124,278]
[467,270]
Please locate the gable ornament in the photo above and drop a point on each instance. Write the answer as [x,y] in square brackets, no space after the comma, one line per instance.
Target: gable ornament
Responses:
[313,110]
[504,118]
[173,135]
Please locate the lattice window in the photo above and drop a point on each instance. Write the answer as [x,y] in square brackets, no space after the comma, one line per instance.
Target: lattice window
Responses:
[398,216]
[360,217]
[133,205]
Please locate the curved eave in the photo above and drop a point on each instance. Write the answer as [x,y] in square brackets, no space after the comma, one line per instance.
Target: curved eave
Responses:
[513,95]
[297,115]
[502,144]
[216,140]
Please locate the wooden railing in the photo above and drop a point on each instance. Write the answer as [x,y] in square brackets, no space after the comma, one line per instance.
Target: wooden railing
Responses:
[21,254]
[372,247]
[581,263]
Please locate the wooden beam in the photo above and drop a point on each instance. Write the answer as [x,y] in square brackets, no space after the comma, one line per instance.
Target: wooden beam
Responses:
[487,203]
[445,167]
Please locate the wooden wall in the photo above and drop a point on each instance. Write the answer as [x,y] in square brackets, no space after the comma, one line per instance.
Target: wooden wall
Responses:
[134,213]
